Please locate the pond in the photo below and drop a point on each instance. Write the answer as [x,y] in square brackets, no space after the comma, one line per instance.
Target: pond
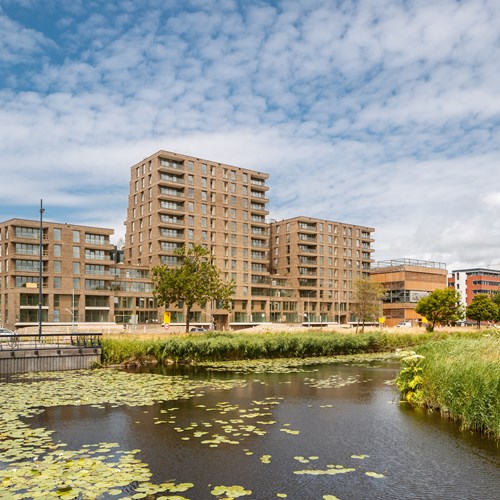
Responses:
[324,431]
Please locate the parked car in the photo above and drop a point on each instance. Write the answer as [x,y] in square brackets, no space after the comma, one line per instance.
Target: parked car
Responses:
[198,329]
[10,337]
[5,332]
[404,324]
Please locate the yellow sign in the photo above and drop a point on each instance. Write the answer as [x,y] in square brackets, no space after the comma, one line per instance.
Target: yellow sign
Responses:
[424,319]
[166,317]
[381,320]
[31,285]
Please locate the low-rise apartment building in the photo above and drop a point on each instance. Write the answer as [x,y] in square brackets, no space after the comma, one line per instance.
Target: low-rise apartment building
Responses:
[406,281]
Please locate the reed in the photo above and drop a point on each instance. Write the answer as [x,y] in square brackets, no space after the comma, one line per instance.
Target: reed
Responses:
[217,346]
[458,376]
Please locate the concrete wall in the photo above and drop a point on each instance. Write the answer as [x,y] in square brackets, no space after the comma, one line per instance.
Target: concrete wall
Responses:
[53,359]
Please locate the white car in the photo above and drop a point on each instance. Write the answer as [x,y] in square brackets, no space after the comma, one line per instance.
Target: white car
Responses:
[7,333]
[404,324]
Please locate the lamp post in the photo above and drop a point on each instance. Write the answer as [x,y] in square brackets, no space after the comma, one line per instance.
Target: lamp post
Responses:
[40,264]
[72,320]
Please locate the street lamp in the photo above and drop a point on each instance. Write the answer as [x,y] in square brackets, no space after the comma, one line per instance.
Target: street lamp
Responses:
[308,306]
[40,264]
[72,320]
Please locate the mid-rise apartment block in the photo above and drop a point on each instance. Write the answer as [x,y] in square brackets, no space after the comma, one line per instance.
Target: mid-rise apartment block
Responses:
[320,261]
[474,281]
[81,278]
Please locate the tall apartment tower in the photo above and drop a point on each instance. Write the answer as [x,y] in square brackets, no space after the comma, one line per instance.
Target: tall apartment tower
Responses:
[177,200]
[320,259]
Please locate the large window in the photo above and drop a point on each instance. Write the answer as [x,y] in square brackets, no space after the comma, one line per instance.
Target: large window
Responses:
[96,239]
[27,232]
[27,249]
[27,265]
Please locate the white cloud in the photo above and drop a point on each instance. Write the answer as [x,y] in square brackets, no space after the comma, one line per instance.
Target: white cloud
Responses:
[377,113]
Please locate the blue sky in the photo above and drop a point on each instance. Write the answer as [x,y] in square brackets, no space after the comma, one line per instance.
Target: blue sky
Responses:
[382,113]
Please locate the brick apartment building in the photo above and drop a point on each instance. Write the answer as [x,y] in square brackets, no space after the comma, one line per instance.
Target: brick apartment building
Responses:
[473,281]
[296,270]
[82,279]
[320,260]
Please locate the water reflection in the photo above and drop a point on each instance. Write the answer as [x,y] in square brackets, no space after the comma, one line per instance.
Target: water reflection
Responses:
[291,415]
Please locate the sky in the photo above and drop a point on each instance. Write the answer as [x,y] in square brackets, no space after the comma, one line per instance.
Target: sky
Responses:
[381,113]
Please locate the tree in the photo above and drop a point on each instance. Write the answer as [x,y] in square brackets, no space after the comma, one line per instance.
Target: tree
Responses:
[440,306]
[496,300]
[195,281]
[368,297]
[482,308]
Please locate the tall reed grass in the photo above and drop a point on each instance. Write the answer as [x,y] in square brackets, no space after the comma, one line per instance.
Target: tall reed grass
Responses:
[460,377]
[217,346]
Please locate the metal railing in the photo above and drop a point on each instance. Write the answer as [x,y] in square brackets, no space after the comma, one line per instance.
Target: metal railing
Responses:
[22,341]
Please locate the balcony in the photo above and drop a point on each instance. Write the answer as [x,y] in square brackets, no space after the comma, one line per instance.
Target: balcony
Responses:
[307,238]
[171,219]
[171,179]
[171,193]
[171,206]
[259,184]
[167,164]
[257,194]
[304,226]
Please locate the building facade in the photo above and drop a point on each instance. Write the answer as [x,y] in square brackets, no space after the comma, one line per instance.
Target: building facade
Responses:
[81,276]
[320,260]
[177,200]
[406,281]
[474,281]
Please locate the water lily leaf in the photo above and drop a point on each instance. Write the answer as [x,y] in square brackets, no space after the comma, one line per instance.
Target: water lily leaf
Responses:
[231,491]
[374,474]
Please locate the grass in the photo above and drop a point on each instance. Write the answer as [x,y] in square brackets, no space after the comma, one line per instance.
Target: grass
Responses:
[458,376]
[218,346]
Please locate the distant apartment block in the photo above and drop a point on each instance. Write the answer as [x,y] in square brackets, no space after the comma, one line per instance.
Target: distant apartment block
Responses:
[473,281]
[406,282]
[299,270]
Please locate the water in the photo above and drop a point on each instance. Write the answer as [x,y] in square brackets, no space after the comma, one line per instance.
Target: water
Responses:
[420,455]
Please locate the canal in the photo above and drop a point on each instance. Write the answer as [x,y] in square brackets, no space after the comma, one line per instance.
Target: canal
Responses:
[311,432]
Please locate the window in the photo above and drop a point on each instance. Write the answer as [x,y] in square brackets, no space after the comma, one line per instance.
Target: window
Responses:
[76,252]
[95,239]
[57,266]
[76,236]
[57,250]
[57,282]
[76,268]
[57,234]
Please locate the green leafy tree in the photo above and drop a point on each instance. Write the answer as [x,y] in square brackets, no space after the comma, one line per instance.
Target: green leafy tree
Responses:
[482,308]
[496,300]
[440,306]
[195,281]
[367,297]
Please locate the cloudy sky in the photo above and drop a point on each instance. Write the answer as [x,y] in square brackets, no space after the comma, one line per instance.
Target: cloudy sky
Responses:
[382,113]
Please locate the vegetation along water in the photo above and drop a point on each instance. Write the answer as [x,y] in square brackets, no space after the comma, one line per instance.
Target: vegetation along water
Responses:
[457,373]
